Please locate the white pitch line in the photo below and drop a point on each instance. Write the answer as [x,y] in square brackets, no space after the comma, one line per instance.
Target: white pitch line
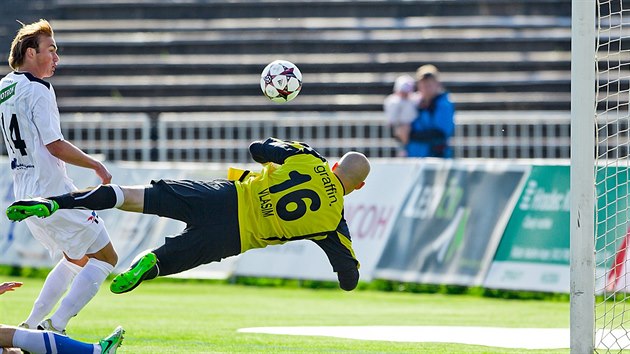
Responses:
[517,338]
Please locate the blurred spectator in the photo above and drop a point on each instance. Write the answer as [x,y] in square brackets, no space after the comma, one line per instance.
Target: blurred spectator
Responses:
[434,124]
[401,108]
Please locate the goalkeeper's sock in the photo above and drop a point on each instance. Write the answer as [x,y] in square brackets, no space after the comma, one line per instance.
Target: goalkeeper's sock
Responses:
[97,198]
[49,342]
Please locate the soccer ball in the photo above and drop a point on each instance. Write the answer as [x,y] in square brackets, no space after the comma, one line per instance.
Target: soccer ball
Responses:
[281,81]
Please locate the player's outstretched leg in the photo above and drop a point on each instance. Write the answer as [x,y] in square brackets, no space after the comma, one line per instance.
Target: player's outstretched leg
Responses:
[110,343]
[142,269]
[25,208]
[51,342]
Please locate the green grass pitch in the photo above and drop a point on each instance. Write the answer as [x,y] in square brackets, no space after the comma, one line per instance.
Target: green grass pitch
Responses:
[167,316]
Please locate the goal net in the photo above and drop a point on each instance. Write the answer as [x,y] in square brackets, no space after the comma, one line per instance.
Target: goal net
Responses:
[611,175]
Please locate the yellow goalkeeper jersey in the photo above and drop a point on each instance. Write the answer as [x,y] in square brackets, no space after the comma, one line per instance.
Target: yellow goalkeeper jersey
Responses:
[295,196]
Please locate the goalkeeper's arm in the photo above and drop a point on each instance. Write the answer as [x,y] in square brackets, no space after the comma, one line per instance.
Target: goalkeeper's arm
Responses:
[276,150]
[342,260]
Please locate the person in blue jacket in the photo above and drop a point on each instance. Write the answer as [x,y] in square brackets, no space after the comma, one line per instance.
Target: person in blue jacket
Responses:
[430,132]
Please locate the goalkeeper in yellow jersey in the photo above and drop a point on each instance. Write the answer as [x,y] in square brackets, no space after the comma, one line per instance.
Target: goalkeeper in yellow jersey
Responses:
[296,196]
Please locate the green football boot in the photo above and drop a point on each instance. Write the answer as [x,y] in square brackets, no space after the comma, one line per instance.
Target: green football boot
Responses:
[110,343]
[25,208]
[132,277]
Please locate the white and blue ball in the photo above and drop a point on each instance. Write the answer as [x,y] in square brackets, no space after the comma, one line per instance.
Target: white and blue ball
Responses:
[281,81]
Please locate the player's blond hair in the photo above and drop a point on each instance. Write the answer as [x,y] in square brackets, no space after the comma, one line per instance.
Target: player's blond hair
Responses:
[28,37]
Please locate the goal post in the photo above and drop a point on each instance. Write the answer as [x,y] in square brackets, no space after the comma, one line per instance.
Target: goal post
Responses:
[600,176]
[582,214]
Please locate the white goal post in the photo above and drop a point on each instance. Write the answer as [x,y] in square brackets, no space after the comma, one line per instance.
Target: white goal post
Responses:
[600,175]
[582,259]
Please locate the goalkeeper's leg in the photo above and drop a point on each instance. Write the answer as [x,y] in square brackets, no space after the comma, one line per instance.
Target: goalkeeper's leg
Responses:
[145,267]
[98,198]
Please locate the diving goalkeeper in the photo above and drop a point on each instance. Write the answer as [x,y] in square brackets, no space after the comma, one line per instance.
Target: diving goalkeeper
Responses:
[296,196]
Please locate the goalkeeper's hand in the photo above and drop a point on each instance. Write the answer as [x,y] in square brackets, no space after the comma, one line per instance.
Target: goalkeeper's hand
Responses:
[348,279]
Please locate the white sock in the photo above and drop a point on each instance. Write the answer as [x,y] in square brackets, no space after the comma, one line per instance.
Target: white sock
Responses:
[56,284]
[32,340]
[83,289]
[51,343]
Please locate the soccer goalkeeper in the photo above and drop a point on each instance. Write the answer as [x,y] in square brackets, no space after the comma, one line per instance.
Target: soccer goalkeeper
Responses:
[295,196]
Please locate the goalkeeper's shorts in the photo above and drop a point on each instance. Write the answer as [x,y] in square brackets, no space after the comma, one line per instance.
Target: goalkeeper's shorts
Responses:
[210,211]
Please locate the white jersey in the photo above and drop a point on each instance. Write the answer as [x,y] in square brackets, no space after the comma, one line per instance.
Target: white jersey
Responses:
[30,120]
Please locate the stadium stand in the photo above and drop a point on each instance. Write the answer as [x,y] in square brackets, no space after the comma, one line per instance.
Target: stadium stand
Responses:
[184,75]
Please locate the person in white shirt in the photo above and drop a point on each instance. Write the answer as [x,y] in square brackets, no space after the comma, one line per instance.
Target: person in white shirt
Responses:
[401,108]
[30,124]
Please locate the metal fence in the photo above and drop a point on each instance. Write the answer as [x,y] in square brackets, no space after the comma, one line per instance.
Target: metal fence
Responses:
[224,137]
[527,134]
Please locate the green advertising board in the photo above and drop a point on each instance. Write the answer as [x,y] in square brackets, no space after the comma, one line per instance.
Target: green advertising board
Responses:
[538,230]
[534,251]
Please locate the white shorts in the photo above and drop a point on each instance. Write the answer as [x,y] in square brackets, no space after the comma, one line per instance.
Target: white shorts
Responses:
[74,232]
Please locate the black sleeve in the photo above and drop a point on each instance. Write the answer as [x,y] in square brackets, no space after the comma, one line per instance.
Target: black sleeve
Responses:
[276,150]
[341,257]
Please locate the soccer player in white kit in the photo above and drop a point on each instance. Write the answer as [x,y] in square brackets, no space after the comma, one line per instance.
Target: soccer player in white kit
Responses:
[30,124]
[47,342]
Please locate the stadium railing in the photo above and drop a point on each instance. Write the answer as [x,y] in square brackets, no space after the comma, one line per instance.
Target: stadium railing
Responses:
[224,137]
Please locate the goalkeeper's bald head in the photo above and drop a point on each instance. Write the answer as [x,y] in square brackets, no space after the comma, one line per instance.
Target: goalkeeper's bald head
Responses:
[352,169]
